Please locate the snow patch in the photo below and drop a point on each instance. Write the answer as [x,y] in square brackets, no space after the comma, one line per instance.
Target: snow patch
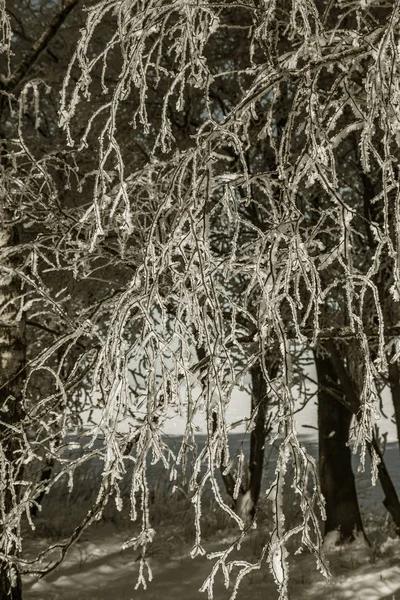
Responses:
[244,506]
[331,543]
[331,540]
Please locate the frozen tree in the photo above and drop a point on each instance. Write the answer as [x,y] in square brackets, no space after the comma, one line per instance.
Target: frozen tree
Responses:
[235,169]
[27,198]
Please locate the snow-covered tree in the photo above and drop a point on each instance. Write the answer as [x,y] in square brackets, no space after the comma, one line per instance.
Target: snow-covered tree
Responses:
[227,192]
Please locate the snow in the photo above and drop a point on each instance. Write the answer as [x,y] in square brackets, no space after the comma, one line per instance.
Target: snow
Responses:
[98,569]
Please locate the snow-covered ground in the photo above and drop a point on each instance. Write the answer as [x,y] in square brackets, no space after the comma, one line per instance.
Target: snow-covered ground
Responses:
[98,569]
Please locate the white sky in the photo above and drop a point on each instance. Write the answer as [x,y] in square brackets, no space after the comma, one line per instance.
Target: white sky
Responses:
[240,408]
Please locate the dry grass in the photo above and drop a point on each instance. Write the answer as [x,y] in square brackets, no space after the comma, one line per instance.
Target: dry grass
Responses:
[172,516]
[171,509]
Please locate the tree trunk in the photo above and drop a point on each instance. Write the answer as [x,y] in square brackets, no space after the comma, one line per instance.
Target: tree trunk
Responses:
[12,361]
[245,503]
[12,333]
[335,470]
[374,211]
[391,500]
[44,478]
[394,383]
[259,403]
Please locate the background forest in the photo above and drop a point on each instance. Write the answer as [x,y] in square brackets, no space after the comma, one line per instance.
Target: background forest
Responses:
[197,197]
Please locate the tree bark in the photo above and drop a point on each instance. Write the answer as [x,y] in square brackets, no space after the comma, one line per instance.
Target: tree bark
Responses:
[335,469]
[245,503]
[391,500]
[374,212]
[12,361]
[394,384]
[259,403]
[12,332]
[40,44]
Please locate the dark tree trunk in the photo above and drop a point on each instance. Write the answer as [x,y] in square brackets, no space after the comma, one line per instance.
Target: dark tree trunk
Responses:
[12,361]
[394,383]
[245,504]
[44,478]
[335,470]
[391,500]
[260,404]
[12,325]
[227,478]
[374,211]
